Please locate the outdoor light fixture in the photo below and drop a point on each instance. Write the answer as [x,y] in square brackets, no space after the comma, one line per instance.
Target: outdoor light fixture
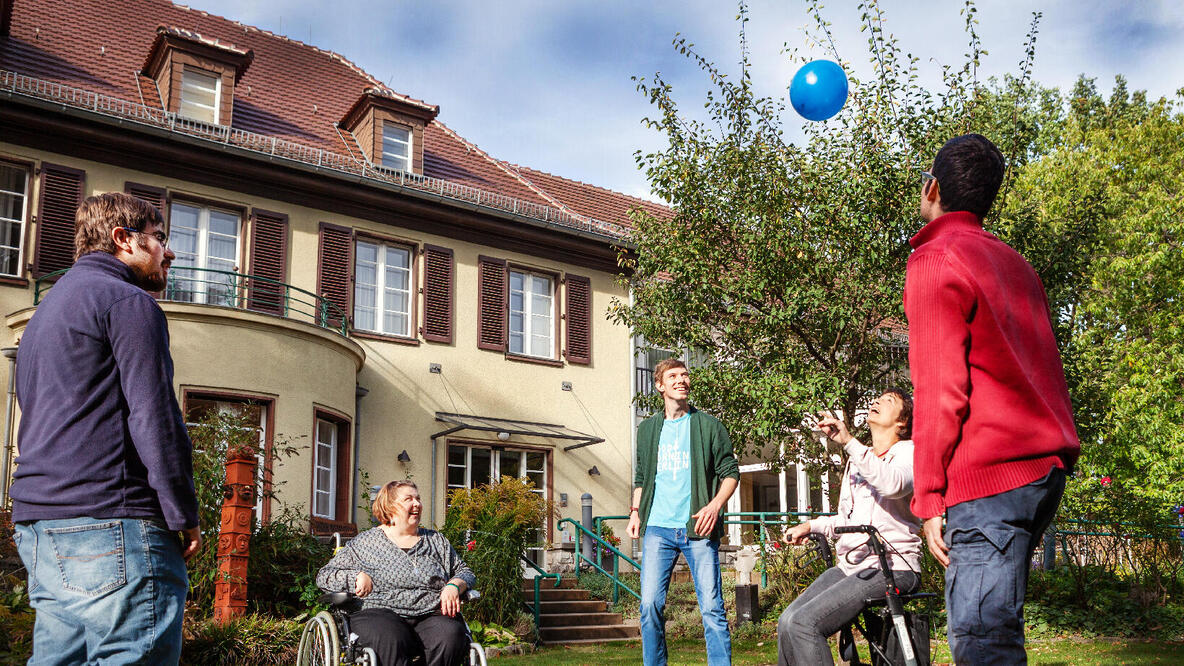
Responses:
[594,471]
[503,436]
[403,457]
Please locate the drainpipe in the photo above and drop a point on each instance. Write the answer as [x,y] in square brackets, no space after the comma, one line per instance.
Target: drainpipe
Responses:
[432,513]
[359,393]
[9,406]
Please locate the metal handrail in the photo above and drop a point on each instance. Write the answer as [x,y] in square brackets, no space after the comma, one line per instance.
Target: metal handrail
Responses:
[538,593]
[617,555]
[763,521]
[272,147]
[209,286]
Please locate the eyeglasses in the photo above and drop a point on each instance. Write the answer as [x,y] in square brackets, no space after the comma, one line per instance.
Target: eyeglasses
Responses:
[158,235]
[926,177]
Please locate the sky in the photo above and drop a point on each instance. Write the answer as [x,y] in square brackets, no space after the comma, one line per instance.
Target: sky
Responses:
[549,83]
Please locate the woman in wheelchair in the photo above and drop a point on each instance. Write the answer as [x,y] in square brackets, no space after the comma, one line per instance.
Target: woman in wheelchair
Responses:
[410,580]
[877,487]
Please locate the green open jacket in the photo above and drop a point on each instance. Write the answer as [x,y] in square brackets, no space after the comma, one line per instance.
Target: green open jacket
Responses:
[712,461]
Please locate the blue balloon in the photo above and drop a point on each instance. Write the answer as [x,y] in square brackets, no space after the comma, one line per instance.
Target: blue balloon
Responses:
[819,90]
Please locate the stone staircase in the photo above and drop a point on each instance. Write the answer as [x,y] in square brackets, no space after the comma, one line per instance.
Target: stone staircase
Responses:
[569,614]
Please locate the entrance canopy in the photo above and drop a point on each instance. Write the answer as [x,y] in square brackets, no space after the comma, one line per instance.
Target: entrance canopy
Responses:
[459,422]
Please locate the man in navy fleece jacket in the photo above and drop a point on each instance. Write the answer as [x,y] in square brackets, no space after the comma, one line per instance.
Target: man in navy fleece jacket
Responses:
[104,482]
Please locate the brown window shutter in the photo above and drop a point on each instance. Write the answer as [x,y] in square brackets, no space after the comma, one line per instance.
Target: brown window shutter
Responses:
[157,196]
[491,304]
[269,262]
[438,272]
[335,269]
[579,319]
[61,192]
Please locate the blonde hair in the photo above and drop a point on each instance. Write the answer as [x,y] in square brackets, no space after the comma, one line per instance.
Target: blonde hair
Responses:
[384,503]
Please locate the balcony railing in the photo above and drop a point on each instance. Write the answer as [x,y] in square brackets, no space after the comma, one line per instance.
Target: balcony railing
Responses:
[207,286]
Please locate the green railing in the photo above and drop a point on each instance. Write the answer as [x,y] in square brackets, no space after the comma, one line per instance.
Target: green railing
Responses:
[761,520]
[538,592]
[615,575]
[208,286]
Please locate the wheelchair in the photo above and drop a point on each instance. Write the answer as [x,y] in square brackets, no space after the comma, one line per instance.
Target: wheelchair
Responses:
[894,637]
[328,641]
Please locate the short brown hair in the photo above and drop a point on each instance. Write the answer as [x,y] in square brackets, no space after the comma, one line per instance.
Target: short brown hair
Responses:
[98,215]
[664,365]
[383,506]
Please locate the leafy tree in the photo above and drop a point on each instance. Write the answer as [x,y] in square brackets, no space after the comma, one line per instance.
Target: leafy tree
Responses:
[787,261]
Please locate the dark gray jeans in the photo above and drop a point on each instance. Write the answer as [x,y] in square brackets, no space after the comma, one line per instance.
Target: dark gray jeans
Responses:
[992,540]
[831,601]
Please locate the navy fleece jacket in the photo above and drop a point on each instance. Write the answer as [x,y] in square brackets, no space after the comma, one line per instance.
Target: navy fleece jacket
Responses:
[101,434]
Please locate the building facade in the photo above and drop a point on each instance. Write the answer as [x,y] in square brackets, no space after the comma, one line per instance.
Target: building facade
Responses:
[352,275]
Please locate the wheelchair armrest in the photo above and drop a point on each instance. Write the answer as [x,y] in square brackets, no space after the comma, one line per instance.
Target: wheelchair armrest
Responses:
[346,601]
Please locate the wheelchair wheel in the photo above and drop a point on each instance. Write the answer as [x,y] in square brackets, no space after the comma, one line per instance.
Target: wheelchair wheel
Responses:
[319,644]
[476,655]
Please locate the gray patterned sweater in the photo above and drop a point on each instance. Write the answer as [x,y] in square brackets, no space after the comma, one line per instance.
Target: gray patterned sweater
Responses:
[407,583]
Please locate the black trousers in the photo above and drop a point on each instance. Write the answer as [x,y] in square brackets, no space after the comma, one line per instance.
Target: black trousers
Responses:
[442,640]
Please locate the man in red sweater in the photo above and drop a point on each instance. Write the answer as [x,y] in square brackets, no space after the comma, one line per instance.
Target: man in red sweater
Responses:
[993,433]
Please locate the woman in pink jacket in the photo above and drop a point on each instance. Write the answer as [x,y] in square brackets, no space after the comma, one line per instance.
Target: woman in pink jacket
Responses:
[877,487]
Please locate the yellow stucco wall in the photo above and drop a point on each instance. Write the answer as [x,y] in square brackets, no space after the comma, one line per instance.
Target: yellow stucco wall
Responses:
[398,413]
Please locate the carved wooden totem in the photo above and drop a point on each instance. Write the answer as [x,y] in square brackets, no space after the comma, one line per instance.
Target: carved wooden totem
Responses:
[234,540]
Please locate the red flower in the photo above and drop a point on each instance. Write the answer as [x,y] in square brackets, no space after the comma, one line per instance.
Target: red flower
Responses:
[776,545]
[1105,481]
[471,545]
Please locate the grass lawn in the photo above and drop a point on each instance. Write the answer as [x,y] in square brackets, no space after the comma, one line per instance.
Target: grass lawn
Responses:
[1067,652]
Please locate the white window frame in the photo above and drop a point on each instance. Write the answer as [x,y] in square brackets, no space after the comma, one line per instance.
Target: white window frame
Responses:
[224,407]
[495,472]
[217,94]
[201,291]
[409,143]
[528,314]
[331,492]
[380,288]
[23,222]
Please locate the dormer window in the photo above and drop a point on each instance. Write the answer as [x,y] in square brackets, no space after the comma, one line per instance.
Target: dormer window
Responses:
[199,95]
[396,146]
[389,127]
[196,75]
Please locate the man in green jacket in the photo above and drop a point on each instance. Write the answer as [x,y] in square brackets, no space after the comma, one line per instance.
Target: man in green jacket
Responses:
[685,473]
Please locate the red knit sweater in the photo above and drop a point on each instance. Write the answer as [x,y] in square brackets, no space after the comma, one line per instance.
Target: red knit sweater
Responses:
[991,408]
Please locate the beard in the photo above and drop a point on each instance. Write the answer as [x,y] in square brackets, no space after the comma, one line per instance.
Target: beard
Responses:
[154,281]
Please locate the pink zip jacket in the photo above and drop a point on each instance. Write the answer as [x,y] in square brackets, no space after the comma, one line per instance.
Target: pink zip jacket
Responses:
[876,491]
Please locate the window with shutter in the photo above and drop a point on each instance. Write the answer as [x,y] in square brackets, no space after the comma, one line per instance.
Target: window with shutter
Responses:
[579,319]
[14,212]
[269,262]
[334,261]
[437,293]
[61,192]
[491,306]
[157,196]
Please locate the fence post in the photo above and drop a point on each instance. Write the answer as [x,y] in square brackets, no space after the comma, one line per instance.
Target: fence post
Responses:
[586,521]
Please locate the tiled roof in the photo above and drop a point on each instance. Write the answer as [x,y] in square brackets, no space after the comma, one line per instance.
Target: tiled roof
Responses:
[292,91]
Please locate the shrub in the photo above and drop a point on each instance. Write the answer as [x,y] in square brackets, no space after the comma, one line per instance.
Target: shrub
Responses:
[283,566]
[491,526]
[252,639]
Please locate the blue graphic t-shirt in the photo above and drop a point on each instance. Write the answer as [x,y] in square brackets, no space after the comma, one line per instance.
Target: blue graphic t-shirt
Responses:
[672,485]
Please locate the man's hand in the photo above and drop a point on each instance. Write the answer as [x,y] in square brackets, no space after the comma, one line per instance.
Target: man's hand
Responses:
[796,535]
[363,584]
[633,529]
[706,518]
[450,600]
[937,545]
[190,542]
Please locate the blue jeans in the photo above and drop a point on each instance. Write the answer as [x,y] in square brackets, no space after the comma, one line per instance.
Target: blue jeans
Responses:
[660,549]
[109,591]
[992,540]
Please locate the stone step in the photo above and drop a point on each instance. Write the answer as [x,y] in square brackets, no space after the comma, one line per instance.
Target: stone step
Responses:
[561,594]
[590,606]
[579,619]
[608,632]
[567,582]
